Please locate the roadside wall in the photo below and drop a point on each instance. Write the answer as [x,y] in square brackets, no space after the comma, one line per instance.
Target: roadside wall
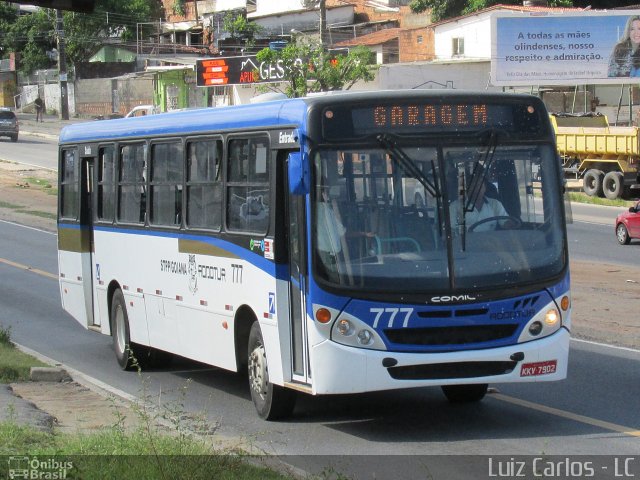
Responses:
[105,96]
[51,96]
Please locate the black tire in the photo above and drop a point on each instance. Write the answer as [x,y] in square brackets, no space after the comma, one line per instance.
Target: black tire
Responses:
[622,234]
[14,138]
[128,356]
[272,402]
[613,185]
[465,393]
[592,182]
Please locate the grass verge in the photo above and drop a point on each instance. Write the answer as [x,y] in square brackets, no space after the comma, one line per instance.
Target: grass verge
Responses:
[579,197]
[111,453]
[27,211]
[150,451]
[14,364]
[42,184]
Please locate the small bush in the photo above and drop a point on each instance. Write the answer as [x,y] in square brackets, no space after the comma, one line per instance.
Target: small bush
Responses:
[5,336]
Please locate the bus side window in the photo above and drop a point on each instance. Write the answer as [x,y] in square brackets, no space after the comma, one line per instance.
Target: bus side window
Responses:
[132,184]
[204,187]
[166,184]
[69,185]
[106,193]
[248,193]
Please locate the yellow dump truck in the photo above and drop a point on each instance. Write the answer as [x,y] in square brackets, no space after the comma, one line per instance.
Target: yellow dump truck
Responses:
[607,158]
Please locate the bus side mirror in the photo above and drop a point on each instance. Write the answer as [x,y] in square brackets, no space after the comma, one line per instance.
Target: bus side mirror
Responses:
[299,178]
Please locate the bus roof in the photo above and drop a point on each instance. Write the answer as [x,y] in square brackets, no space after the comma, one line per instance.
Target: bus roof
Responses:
[189,121]
[272,113]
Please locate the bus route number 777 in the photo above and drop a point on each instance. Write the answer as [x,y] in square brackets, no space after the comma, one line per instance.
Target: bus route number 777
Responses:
[382,313]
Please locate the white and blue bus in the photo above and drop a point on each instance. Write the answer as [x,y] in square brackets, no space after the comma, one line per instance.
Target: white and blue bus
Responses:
[328,245]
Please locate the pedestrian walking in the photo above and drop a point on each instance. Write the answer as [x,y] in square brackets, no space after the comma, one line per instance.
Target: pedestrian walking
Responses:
[39,108]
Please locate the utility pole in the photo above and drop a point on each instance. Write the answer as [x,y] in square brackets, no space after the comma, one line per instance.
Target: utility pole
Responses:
[62,68]
[323,21]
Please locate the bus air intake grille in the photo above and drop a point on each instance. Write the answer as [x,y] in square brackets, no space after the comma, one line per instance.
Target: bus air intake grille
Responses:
[463,335]
[439,371]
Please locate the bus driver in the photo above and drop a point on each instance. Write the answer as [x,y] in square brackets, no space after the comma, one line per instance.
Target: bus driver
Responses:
[479,207]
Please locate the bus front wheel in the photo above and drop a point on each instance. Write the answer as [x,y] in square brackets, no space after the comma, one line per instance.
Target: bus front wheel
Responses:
[465,393]
[271,401]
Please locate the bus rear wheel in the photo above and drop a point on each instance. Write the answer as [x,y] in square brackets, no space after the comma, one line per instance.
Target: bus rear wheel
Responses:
[127,355]
[272,402]
[465,393]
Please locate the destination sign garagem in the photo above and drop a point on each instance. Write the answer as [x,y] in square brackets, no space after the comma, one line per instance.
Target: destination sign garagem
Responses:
[431,115]
[436,117]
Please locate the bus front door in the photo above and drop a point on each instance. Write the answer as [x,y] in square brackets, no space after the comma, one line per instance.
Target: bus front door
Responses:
[87,167]
[297,290]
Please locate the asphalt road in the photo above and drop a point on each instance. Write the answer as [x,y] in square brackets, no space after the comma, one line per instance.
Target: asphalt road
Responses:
[31,150]
[594,411]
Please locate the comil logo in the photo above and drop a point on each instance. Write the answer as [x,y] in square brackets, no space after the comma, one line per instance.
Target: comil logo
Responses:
[41,468]
[452,298]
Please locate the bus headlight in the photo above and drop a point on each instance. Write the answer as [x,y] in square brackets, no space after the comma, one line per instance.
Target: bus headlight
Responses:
[552,317]
[547,321]
[365,337]
[348,330]
[535,328]
[344,327]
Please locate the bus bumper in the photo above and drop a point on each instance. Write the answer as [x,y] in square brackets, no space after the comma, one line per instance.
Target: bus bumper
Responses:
[337,368]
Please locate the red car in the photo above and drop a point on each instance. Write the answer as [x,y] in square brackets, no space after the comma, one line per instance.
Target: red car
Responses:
[628,225]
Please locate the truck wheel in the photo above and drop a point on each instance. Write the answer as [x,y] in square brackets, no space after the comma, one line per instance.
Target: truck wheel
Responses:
[271,401]
[465,393]
[592,182]
[613,185]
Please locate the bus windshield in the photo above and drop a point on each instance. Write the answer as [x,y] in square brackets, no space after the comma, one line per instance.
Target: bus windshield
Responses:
[404,216]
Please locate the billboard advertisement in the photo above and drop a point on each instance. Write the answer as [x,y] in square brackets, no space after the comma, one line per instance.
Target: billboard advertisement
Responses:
[218,71]
[566,49]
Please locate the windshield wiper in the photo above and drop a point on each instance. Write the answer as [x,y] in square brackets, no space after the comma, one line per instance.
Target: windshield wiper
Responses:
[480,167]
[408,164]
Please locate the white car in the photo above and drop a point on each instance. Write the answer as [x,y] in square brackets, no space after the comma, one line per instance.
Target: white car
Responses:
[142,110]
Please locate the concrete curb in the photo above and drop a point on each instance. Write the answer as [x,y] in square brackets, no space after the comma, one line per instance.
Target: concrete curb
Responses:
[90,382]
[49,374]
[48,136]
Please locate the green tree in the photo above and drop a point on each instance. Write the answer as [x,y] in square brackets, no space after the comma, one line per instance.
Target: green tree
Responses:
[85,33]
[237,25]
[443,9]
[310,68]
[31,36]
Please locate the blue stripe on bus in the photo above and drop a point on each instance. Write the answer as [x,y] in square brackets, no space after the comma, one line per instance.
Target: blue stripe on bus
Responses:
[279,271]
[71,226]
